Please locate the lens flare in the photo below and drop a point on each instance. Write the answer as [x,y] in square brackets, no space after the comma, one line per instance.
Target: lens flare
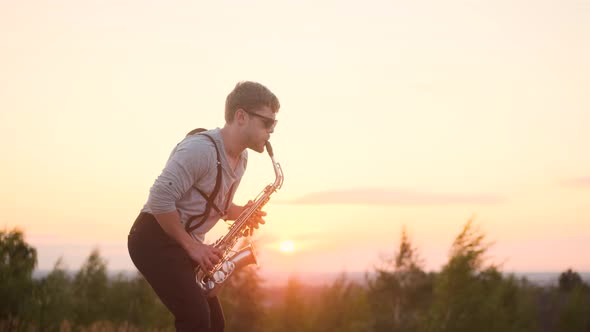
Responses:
[287,247]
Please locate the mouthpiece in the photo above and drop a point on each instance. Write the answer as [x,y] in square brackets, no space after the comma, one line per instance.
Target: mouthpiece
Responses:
[269,149]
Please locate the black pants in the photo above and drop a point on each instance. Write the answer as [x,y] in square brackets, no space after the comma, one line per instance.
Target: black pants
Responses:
[170,272]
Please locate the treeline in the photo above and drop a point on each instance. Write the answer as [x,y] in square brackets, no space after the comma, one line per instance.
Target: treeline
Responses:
[469,294]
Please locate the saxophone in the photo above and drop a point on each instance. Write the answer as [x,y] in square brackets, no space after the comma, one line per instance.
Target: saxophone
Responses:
[211,281]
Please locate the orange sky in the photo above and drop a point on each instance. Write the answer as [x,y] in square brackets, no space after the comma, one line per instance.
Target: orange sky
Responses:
[420,114]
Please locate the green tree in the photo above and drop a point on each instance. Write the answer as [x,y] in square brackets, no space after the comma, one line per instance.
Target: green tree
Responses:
[54,298]
[569,280]
[242,299]
[90,288]
[574,316]
[470,295]
[293,313]
[131,300]
[400,293]
[118,300]
[342,306]
[146,309]
[574,313]
[456,297]
[17,262]
[509,303]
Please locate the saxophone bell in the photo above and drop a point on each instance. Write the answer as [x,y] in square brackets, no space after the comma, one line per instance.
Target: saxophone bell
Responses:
[213,283]
[244,257]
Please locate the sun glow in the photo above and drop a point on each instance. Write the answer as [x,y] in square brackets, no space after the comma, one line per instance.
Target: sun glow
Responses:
[287,247]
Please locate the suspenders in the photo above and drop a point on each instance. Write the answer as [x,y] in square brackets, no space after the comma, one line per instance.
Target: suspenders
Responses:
[210,199]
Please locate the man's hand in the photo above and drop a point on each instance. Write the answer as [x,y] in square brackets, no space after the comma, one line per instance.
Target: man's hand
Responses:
[255,220]
[205,255]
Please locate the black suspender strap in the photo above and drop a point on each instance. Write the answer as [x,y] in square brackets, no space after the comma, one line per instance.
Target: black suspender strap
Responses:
[210,199]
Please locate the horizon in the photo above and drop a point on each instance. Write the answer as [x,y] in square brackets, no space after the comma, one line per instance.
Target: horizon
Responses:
[277,279]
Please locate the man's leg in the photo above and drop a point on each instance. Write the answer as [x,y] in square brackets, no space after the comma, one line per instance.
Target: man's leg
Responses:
[217,318]
[169,271]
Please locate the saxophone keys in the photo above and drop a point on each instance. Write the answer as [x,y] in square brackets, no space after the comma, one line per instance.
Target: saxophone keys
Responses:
[219,276]
[228,267]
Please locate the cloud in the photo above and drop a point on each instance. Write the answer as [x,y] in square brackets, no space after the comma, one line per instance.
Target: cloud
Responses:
[376,196]
[583,182]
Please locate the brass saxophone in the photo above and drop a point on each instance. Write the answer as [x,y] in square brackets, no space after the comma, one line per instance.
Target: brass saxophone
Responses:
[211,281]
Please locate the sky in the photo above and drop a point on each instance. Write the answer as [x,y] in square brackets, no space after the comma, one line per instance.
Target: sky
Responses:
[418,114]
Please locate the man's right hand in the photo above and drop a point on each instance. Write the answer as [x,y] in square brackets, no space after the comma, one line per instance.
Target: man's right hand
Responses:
[205,255]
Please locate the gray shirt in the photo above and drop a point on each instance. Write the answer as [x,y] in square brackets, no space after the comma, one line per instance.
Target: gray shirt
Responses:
[193,163]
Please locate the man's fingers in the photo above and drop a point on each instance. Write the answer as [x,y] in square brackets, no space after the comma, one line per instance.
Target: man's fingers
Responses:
[209,257]
[206,264]
[215,257]
[217,252]
[260,214]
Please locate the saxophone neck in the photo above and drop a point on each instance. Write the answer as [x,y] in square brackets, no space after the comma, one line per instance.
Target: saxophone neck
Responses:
[278,183]
[237,227]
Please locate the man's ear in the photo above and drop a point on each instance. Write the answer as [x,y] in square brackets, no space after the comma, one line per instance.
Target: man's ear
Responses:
[240,116]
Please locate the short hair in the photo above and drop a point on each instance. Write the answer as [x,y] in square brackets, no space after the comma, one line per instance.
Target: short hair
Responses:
[248,95]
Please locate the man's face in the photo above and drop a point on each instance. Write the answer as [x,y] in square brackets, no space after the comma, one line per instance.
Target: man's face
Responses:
[261,123]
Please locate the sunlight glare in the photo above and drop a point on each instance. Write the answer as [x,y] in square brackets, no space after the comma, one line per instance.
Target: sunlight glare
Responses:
[287,247]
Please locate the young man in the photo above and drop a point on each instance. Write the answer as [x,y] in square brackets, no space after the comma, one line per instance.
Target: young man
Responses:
[166,240]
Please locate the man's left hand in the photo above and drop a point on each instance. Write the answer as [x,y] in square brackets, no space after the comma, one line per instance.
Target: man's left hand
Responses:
[255,220]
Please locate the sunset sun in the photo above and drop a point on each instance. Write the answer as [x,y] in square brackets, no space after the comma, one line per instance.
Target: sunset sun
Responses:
[287,247]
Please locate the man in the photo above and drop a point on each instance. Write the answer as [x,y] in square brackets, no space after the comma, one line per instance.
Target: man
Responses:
[166,240]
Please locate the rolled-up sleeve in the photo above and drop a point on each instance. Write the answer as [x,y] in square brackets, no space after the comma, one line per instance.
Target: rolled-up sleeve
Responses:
[188,163]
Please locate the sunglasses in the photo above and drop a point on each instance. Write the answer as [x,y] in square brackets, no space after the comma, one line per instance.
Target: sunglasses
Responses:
[268,122]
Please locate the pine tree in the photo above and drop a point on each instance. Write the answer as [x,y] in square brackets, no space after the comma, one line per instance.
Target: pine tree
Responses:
[17,261]
[54,297]
[293,314]
[569,280]
[342,306]
[90,288]
[242,299]
[574,314]
[472,295]
[401,291]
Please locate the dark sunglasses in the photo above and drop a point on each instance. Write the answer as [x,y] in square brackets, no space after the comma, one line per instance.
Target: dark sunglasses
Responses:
[268,122]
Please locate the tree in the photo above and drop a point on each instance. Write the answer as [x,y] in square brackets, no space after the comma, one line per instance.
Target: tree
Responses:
[569,280]
[54,298]
[343,307]
[293,314]
[458,297]
[472,295]
[17,261]
[574,316]
[401,292]
[90,288]
[132,301]
[242,299]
